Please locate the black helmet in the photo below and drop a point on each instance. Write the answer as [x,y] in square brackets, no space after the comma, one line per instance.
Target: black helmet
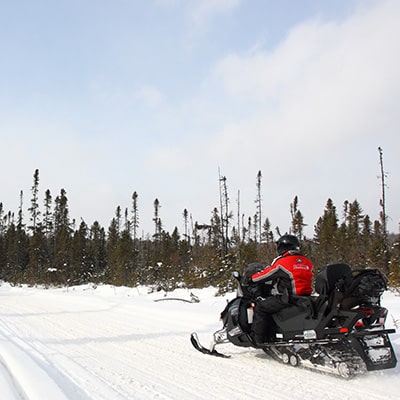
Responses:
[286,243]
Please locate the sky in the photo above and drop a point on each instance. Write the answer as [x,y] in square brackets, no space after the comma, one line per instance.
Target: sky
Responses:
[164,97]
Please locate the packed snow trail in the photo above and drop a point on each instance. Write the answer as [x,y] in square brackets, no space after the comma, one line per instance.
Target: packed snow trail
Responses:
[109,343]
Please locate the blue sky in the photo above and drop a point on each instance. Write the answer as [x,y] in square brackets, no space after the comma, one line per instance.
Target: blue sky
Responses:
[110,97]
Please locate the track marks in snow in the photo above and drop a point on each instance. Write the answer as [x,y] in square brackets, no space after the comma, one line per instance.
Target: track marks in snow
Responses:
[23,374]
[96,347]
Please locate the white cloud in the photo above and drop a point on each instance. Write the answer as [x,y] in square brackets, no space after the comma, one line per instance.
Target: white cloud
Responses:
[150,95]
[323,76]
[206,9]
[309,114]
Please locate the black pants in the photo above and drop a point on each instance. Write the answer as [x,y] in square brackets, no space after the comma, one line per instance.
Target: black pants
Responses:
[263,323]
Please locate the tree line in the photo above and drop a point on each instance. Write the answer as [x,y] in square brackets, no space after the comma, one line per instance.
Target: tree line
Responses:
[51,249]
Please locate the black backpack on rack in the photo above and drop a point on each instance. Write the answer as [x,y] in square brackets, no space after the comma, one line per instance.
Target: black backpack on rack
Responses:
[346,289]
[367,287]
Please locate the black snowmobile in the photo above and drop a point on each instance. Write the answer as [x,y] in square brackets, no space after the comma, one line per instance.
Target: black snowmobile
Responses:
[338,330]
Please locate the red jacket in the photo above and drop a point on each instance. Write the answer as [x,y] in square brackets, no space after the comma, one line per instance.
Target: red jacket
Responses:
[293,265]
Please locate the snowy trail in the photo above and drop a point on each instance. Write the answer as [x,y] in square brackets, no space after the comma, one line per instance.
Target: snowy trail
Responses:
[118,343]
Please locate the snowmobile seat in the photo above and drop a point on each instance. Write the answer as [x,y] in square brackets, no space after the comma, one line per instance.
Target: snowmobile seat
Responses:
[297,317]
[328,277]
[330,280]
[292,304]
[305,303]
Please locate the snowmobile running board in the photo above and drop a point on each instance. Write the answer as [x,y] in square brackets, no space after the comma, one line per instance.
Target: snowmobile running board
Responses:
[199,347]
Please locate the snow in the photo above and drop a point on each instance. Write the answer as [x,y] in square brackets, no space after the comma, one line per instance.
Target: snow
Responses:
[117,343]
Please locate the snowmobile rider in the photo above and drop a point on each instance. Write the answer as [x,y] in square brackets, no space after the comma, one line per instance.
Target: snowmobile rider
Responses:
[291,273]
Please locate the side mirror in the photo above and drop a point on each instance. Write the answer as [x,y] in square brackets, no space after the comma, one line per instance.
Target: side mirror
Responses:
[236,275]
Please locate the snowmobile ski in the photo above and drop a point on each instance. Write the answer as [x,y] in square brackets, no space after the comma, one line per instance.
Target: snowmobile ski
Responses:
[194,339]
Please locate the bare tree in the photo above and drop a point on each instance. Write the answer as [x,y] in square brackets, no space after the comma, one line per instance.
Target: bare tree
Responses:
[258,202]
[383,215]
[224,211]
[238,215]
[382,202]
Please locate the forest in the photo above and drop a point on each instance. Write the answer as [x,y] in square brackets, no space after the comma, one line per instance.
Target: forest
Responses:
[48,248]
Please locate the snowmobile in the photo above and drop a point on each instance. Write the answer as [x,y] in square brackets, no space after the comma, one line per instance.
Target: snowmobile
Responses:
[340,329]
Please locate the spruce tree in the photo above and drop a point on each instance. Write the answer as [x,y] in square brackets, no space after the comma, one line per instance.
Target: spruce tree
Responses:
[376,248]
[34,208]
[38,254]
[62,238]
[355,217]
[135,217]
[48,220]
[97,252]
[81,265]
[112,251]
[297,219]
[326,237]
[394,274]
[123,268]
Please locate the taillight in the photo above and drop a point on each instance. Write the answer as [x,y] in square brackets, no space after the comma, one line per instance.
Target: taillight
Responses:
[368,312]
[371,317]
[382,317]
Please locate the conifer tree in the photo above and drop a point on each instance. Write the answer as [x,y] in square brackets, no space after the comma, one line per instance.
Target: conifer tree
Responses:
[123,263]
[2,247]
[366,236]
[97,251]
[62,237]
[81,266]
[375,248]
[11,269]
[267,233]
[38,257]
[48,224]
[186,225]
[112,250]
[135,216]
[216,239]
[157,220]
[394,273]
[118,219]
[2,228]
[38,249]
[20,220]
[326,237]
[297,219]
[34,208]
[249,228]
[354,221]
